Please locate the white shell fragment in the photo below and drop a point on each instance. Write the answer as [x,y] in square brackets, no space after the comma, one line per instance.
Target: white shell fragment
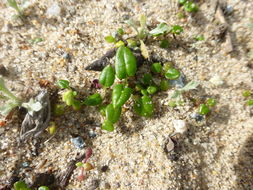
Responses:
[170,145]
[180,126]
[54,10]
[216,80]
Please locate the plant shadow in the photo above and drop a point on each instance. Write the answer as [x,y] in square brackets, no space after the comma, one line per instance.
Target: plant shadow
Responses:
[244,166]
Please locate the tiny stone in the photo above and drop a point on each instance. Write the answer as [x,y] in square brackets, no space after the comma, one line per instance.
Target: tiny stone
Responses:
[66,56]
[107,186]
[78,142]
[3,70]
[25,164]
[180,126]
[216,80]
[196,116]
[228,9]
[94,184]
[125,17]
[92,134]
[104,168]
[54,10]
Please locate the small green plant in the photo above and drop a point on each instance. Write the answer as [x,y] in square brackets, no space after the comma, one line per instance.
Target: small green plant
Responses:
[14,5]
[189,6]
[248,94]
[177,95]
[250,102]
[21,185]
[69,97]
[12,102]
[204,109]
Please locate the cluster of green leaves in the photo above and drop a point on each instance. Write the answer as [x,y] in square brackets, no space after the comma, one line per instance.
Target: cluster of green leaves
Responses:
[158,33]
[20,185]
[189,6]
[248,94]
[69,97]
[204,109]
[124,69]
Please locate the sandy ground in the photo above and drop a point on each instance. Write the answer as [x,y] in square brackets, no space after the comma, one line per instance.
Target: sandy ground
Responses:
[214,154]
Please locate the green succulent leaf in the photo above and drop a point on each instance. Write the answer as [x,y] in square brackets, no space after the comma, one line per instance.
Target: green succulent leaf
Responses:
[125,64]
[176,29]
[172,74]
[107,76]
[110,39]
[63,84]
[144,106]
[108,126]
[156,67]
[112,113]
[43,188]
[93,100]
[203,109]
[20,185]
[120,95]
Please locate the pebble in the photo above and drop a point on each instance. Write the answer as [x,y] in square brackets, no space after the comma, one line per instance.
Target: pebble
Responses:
[25,164]
[104,168]
[196,116]
[229,9]
[180,82]
[216,80]
[92,134]
[180,126]
[94,184]
[78,142]
[170,145]
[54,10]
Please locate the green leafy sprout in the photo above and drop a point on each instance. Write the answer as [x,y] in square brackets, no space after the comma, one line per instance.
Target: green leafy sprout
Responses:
[21,185]
[18,9]
[11,100]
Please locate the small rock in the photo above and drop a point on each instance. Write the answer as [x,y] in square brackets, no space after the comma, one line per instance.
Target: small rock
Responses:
[228,10]
[25,164]
[104,168]
[125,17]
[54,10]
[196,116]
[66,56]
[180,126]
[180,82]
[3,70]
[216,80]
[94,184]
[170,145]
[78,142]
[106,186]
[172,148]
[92,134]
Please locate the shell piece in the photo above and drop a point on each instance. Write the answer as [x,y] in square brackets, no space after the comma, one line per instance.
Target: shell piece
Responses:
[216,80]
[180,126]
[170,145]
